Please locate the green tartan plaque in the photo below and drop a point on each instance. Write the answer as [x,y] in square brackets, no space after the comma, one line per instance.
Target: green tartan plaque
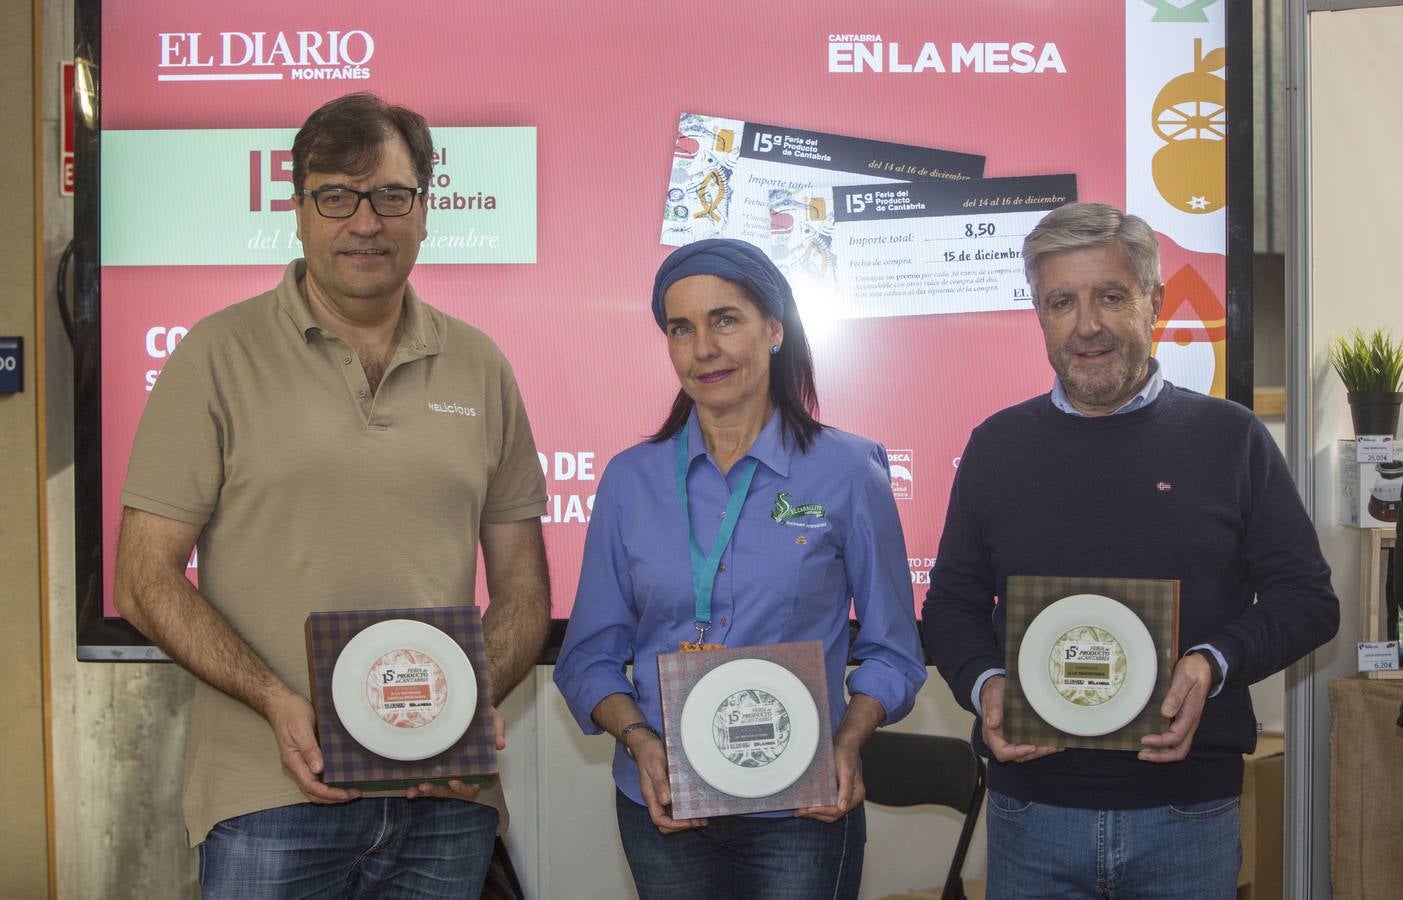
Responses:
[1155,602]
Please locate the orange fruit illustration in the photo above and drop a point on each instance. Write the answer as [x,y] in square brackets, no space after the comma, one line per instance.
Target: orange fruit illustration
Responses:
[1190,115]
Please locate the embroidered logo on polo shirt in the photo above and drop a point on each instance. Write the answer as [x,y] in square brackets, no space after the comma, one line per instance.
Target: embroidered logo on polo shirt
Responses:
[454,409]
[784,510]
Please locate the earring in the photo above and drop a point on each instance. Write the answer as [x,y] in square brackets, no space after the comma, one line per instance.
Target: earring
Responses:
[774,349]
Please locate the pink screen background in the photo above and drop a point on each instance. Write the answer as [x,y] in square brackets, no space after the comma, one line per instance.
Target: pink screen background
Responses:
[604,90]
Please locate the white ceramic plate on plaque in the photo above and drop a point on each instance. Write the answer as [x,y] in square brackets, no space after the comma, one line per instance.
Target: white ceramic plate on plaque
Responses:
[404,689]
[1087,665]
[750,728]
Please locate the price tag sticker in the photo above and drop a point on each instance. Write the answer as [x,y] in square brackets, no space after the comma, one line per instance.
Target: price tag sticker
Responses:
[1378,656]
[1373,449]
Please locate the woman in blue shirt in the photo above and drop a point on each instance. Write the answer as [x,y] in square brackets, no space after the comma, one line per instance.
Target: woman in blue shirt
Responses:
[817,531]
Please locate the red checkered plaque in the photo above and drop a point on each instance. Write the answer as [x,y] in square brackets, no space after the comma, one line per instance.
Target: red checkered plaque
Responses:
[402,697]
[747,730]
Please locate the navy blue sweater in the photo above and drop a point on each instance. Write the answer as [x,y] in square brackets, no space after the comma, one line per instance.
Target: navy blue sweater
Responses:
[1189,487]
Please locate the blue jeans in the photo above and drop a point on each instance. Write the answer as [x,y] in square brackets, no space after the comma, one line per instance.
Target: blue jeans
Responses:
[382,847]
[739,857]
[1173,852]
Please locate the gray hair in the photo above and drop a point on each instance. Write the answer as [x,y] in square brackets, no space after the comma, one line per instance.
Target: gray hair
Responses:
[1077,226]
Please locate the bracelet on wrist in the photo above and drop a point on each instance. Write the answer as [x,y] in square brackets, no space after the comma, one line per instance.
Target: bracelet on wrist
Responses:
[636,726]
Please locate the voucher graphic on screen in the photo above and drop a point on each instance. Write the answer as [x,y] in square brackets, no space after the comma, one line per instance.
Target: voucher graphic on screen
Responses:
[889,155]
[910,249]
[724,169]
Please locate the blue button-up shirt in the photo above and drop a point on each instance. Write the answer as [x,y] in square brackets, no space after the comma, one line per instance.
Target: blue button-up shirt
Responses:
[794,580]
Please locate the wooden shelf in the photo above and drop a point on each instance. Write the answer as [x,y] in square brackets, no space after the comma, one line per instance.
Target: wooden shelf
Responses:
[1269,402]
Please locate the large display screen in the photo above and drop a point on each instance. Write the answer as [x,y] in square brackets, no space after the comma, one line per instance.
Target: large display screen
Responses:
[889,155]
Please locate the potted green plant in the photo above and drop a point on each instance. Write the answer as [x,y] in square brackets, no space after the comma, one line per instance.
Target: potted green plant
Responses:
[1371,366]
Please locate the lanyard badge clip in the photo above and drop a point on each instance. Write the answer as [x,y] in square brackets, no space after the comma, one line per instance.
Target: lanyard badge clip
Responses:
[700,644]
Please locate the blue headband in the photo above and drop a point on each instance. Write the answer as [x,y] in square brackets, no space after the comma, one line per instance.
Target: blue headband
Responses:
[729,259]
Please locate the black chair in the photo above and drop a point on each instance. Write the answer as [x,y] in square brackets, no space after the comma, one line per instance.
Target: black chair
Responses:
[911,769]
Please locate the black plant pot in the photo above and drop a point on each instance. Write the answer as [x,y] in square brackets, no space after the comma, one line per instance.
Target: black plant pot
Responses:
[1375,412]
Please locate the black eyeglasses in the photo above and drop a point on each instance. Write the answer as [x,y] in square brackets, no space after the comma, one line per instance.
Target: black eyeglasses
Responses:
[342,203]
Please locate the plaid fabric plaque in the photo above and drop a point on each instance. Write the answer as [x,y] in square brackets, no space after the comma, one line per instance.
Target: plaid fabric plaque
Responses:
[693,797]
[472,759]
[1155,602]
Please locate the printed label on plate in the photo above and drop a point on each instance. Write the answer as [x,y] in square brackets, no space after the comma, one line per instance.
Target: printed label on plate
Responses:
[751,728]
[1087,665]
[406,688]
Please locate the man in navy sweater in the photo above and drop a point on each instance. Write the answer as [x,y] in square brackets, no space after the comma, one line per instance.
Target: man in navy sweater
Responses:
[1118,473]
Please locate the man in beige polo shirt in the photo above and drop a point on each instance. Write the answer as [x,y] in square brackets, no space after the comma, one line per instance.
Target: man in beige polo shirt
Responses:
[335,443]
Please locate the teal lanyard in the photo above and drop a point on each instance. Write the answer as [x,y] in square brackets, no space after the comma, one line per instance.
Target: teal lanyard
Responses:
[704,566]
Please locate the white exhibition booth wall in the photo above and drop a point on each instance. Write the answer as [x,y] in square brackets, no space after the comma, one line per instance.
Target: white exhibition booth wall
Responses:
[1354,247]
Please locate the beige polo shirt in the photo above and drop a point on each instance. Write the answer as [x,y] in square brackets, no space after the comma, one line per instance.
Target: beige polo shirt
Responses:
[316,495]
